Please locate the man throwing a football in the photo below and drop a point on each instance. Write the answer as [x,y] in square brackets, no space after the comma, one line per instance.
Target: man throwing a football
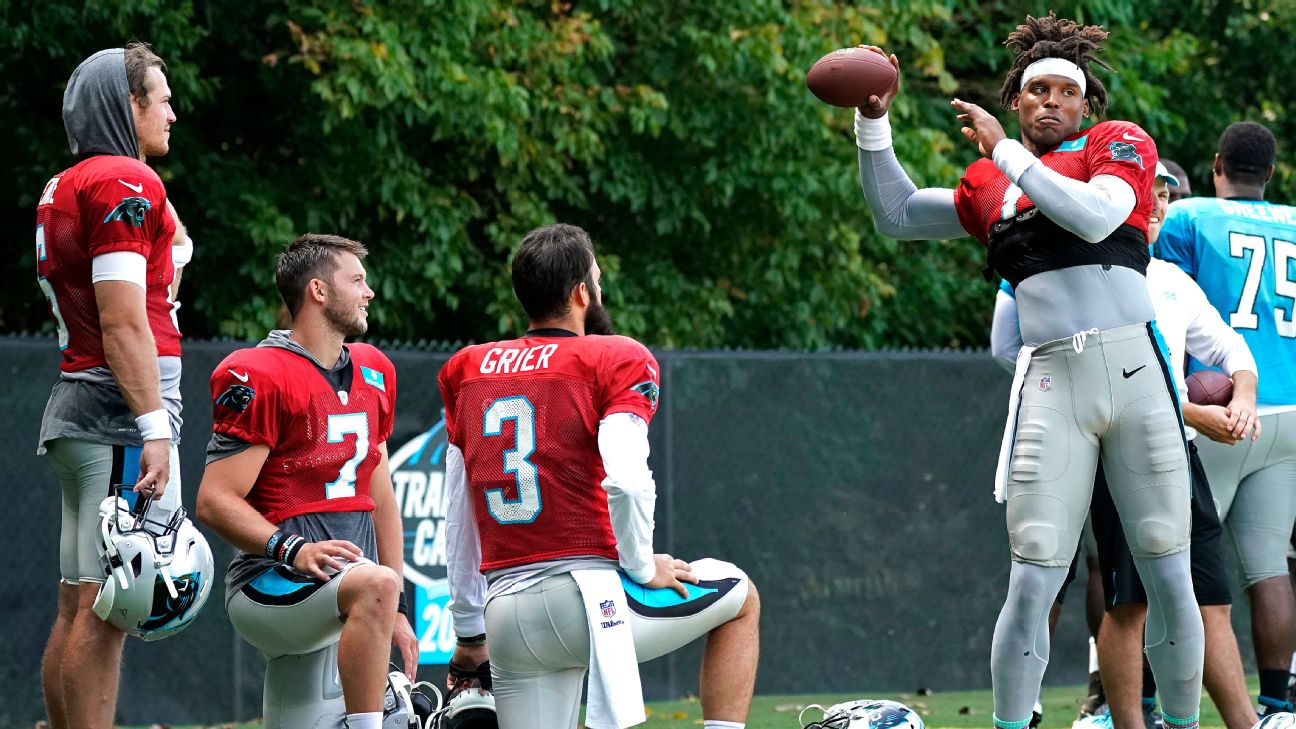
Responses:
[1064,215]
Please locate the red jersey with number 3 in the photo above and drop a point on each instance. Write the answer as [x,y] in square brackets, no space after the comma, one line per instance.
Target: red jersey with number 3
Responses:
[526,413]
[985,196]
[105,204]
[324,443]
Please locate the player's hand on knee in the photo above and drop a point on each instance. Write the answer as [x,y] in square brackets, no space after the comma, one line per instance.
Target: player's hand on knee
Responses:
[155,468]
[672,573]
[322,560]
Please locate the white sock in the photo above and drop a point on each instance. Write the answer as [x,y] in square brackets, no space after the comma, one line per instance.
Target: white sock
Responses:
[717,724]
[366,720]
[1093,655]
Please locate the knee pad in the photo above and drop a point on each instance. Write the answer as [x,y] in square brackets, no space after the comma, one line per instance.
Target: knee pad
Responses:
[1156,538]
[1035,543]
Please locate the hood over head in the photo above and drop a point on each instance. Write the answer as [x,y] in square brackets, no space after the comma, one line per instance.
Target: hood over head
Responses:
[96,107]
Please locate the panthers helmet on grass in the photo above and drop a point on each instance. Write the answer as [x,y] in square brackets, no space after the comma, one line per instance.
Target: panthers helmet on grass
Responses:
[1277,720]
[157,576]
[412,706]
[866,714]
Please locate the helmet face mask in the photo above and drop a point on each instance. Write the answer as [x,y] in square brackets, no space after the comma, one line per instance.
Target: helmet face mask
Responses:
[157,575]
[420,706]
[866,714]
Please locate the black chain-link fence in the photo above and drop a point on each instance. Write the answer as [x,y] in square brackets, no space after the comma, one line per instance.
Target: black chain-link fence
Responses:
[855,489]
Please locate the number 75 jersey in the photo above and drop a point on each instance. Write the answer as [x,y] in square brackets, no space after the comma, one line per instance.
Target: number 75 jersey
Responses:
[1243,255]
[324,441]
[525,413]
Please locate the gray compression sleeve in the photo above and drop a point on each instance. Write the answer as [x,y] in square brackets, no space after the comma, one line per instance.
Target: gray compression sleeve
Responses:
[1019,650]
[900,209]
[1176,644]
[1092,210]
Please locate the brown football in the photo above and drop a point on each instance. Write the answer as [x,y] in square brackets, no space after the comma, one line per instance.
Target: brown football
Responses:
[849,76]
[1210,387]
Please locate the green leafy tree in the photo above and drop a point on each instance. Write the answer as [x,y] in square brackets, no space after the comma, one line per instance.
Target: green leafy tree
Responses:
[721,195]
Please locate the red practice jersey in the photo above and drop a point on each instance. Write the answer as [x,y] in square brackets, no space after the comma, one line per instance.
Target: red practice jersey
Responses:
[104,204]
[985,196]
[324,444]
[525,413]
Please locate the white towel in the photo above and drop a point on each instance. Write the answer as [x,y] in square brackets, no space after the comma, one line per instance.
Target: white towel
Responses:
[1010,427]
[615,694]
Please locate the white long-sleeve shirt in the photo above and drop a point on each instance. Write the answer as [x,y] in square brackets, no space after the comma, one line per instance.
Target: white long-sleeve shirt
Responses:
[1184,316]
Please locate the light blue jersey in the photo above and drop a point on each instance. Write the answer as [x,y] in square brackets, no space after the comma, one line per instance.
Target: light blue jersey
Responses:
[1243,255]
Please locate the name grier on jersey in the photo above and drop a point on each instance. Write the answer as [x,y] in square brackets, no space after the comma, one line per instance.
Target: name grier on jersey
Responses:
[500,361]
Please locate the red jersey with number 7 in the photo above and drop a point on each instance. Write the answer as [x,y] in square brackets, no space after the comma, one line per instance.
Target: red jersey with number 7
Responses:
[324,443]
[1120,148]
[525,413]
[104,204]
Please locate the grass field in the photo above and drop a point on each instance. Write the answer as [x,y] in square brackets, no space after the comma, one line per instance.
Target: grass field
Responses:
[941,710]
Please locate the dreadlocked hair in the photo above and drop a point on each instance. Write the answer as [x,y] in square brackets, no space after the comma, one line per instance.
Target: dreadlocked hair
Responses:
[1054,37]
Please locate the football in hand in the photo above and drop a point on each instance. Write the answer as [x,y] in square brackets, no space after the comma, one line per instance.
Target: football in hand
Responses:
[1210,387]
[849,76]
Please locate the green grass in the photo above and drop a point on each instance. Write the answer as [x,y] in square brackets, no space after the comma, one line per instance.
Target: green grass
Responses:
[942,710]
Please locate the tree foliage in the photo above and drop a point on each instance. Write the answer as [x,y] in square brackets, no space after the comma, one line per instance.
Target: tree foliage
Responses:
[721,195]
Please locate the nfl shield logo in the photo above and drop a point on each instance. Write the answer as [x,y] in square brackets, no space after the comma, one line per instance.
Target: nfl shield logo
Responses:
[1046,383]
[608,607]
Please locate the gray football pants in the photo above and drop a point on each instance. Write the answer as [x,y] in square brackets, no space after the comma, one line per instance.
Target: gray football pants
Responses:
[1254,484]
[1099,397]
[540,641]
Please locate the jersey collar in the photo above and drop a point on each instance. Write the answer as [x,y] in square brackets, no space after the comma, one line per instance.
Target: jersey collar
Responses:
[550,333]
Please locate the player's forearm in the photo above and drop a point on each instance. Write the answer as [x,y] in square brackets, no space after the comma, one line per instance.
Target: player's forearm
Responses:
[132,356]
[1092,210]
[900,209]
[233,518]
[631,492]
[464,579]
[1245,384]
[181,249]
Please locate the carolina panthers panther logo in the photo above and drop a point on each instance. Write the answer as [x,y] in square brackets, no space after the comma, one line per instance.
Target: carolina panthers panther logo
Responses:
[1125,151]
[167,608]
[130,210]
[237,397]
[650,391]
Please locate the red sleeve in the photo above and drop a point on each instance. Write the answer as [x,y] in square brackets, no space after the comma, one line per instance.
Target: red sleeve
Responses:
[123,208]
[629,380]
[389,421]
[446,383]
[966,201]
[245,403]
[1123,149]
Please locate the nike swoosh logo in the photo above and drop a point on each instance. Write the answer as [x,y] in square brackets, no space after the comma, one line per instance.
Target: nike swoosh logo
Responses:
[244,377]
[1131,374]
[136,188]
[1131,138]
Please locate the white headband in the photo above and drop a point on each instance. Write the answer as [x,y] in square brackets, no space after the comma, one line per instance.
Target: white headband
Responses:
[1054,67]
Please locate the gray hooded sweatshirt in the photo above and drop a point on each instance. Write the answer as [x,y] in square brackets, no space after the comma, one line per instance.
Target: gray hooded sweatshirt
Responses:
[88,405]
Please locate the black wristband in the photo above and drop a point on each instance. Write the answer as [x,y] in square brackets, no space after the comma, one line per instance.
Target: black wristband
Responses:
[402,606]
[272,546]
[289,548]
[471,641]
